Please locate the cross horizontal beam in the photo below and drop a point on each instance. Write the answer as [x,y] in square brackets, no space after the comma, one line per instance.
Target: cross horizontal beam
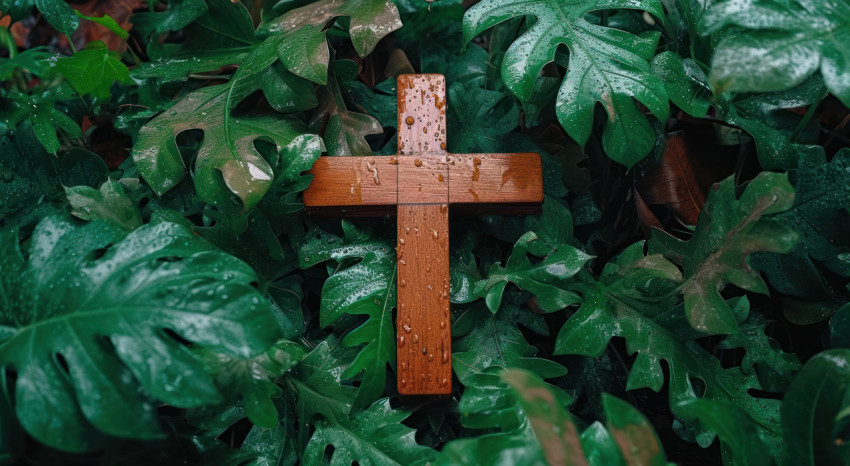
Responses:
[370,185]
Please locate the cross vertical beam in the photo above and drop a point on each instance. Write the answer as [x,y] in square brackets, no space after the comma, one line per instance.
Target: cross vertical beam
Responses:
[423,314]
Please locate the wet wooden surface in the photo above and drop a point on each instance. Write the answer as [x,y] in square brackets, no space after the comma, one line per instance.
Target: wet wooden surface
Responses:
[469,178]
[419,184]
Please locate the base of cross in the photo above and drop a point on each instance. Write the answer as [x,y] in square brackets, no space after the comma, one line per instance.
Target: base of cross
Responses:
[419,184]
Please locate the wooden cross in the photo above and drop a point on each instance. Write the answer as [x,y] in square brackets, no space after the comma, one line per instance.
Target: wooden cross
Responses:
[419,184]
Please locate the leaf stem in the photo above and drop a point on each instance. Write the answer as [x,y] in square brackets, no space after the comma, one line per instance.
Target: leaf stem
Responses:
[805,121]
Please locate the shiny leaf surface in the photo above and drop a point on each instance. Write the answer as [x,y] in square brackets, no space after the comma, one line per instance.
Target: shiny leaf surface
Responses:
[91,359]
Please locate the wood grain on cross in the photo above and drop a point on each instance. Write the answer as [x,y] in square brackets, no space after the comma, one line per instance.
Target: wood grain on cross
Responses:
[419,184]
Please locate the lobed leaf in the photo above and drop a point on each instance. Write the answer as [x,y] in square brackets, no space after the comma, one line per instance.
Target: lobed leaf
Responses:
[91,309]
[606,66]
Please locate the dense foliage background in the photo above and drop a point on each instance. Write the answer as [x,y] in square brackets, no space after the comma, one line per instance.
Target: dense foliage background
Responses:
[683,296]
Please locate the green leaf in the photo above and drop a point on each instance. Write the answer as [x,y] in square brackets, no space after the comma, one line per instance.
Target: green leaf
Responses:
[631,300]
[779,138]
[479,119]
[685,83]
[539,278]
[839,328]
[534,428]
[303,48]
[634,434]
[606,65]
[362,284]
[73,287]
[177,16]
[739,435]
[524,411]
[483,340]
[815,403]
[40,110]
[108,22]
[762,351]
[59,15]
[29,183]
[34,60]
[375,436]
[228,162]
[249,377]
[110,203]
[92,71]
[553,227]
[317,380]
[773,45]
[727,232]
[821,209]
[295,159]
[345,131]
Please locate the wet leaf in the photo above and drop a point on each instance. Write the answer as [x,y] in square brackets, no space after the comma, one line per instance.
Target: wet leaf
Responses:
[71,287]
[728,231]
[765,117]
[252,378]
[228,163]
[773,45]
[540,278]
[821,209]
[177,15]
[483,340]
[109,203]
[59,14]
[303,48]
[345,130]
[606,66]
[362,284]
[373,436]
[479,119]
[685,82]
[533,427]
[816,403]
[632,300]
[92,71]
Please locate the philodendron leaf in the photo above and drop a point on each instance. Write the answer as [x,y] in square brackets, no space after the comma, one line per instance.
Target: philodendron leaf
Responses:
[345,130]
[228,163]
[633,432]
[92,309]
[774,45]
[535,428]
[485,340]
[761,350]
[303,48]
[625,302]
[109,203]
[739,435]
[606,65]
[498,399]
[251,378]
[480,118]
[539,278]
[685,82]
[375,436]
[774,129]
[813,406]
[727,232]
[822,209]
[92,71]
[363,285]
